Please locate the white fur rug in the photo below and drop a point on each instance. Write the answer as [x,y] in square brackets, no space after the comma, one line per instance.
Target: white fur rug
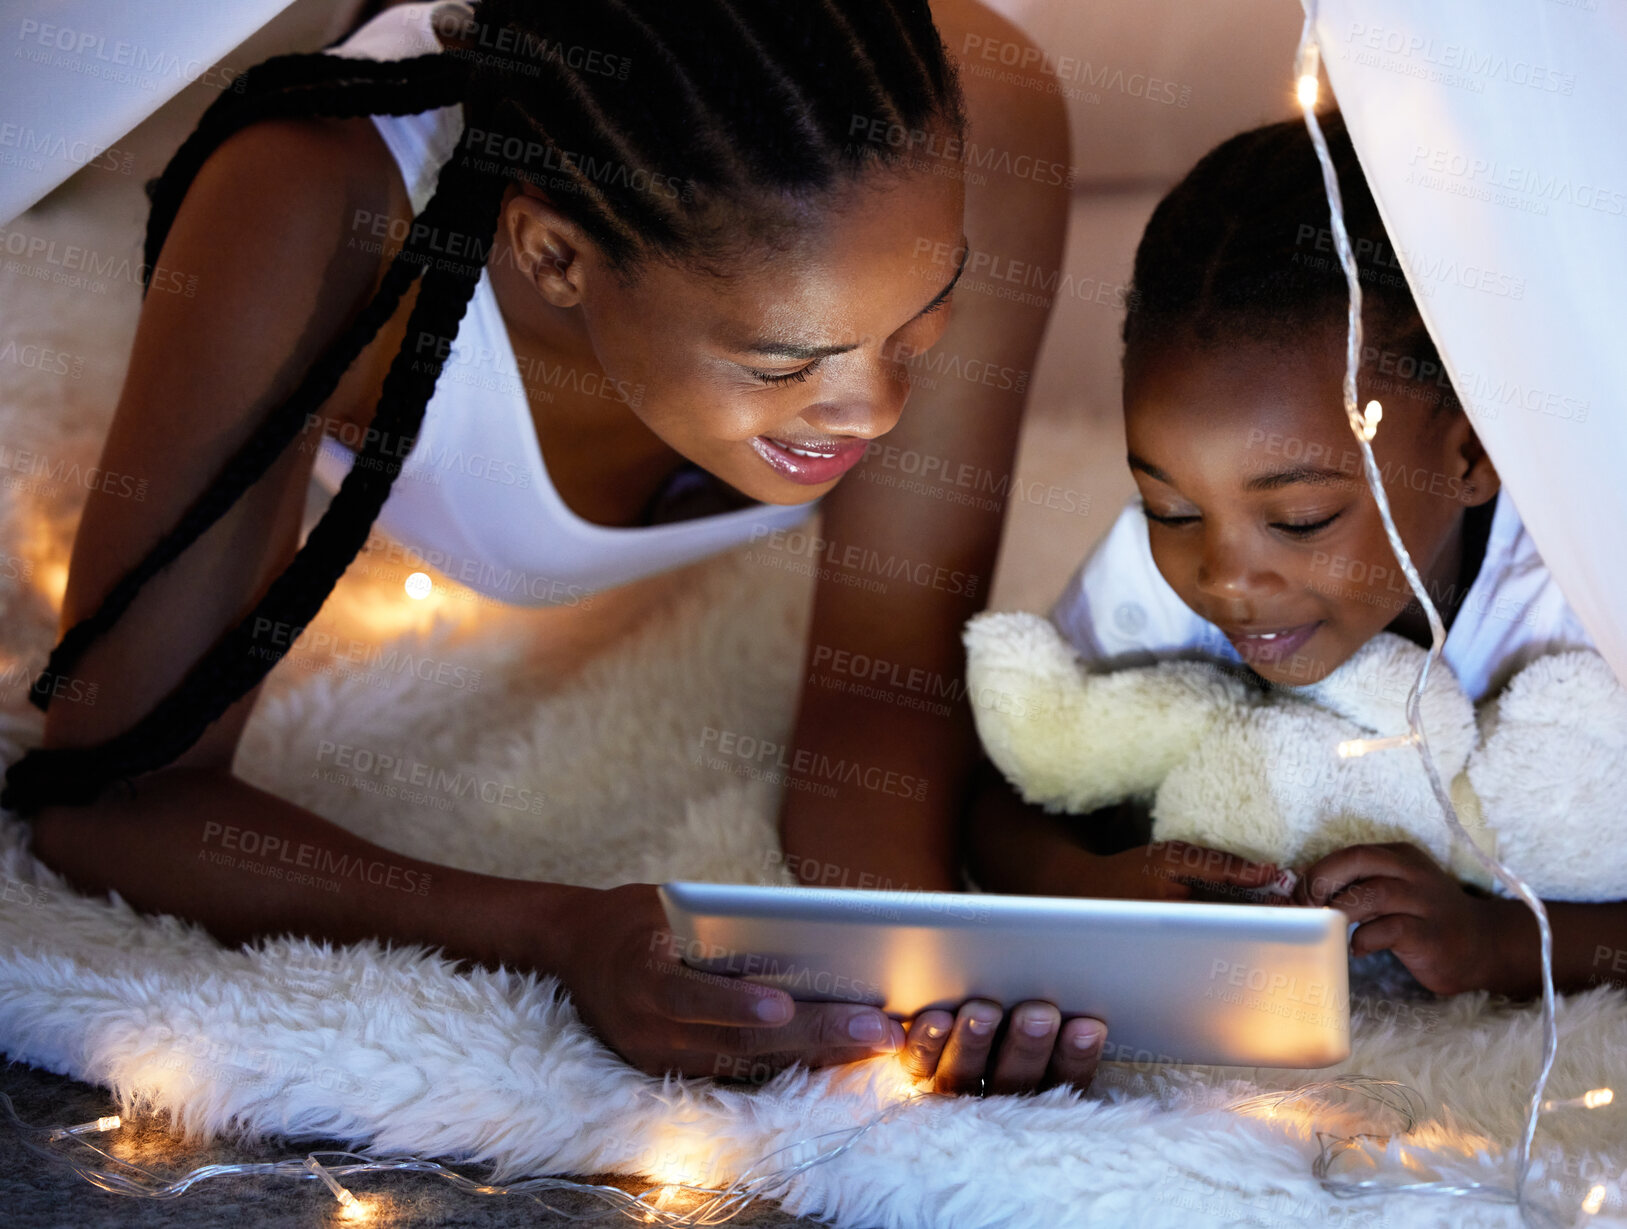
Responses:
[392,1049]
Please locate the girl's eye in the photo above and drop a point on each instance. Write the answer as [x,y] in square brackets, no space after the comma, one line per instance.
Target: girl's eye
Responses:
[940,304]
[1168,520]
[1304,529]
[801,374]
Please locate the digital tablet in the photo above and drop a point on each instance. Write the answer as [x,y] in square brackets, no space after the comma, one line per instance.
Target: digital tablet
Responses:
[1234,984]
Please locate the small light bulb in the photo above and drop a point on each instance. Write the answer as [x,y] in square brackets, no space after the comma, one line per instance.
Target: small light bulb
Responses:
[419,585]
[1306,88]
[1353,748]
[1594,1200]
[350,1207]
[1371,416]
[1596,1097]
[109,1122]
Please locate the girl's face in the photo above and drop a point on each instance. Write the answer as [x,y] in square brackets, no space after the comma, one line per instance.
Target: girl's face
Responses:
[774,379]
[1259,513]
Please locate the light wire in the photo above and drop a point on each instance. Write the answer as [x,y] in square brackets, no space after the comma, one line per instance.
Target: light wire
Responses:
[1306,66]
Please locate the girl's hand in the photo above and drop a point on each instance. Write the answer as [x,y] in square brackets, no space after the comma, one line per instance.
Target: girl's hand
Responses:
[1173,870]
[628,981]
[958,1052]
[1449,940]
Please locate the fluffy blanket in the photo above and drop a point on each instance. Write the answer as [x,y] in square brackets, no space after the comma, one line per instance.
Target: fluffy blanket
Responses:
[604,773]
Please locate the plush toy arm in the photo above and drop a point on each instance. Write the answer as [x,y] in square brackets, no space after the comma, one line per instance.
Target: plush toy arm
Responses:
[1070,740]
[1550,777]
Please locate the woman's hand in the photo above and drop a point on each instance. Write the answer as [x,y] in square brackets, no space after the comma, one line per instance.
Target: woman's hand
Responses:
[627,978]
[958,1052]
[1450,940]
[1170,870]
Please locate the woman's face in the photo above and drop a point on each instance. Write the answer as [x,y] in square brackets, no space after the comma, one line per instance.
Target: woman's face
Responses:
[775,377]
[1259,514]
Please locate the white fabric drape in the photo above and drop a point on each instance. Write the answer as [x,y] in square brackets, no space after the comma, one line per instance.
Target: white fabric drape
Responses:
[1491,133]
[79,74]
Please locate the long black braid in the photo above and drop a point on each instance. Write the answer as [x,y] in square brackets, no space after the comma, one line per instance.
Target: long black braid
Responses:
[1240,250]
[716,120]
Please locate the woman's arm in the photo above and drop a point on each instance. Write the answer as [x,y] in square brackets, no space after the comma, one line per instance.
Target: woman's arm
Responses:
[927,505]
[265,230]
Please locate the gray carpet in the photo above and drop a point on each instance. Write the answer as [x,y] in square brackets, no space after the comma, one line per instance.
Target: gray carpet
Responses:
[37,1194]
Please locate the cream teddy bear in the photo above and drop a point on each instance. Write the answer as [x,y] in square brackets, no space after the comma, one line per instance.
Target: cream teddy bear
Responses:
[1227,762]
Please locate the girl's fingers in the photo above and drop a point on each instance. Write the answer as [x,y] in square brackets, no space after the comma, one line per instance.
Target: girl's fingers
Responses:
[1077,1051]
[1025,1051]
[1391,931]
[1336,872]
[924,1045]
[971,1040]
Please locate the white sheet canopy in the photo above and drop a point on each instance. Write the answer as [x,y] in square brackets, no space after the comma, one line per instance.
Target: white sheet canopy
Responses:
[1492,135]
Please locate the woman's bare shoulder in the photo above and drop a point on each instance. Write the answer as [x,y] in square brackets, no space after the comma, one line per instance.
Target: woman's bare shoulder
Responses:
[1006,84]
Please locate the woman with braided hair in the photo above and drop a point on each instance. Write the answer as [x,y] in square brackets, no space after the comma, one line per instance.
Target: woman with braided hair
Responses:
[753,214]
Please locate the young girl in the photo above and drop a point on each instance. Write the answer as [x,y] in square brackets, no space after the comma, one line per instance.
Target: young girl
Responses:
[1255,539]
[408,240]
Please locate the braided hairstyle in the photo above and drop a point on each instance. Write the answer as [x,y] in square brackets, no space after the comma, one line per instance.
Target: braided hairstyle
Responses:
[1241,249]
[682,130]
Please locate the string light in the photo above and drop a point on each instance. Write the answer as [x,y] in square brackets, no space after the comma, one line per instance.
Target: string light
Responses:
[1595,1098]
[1372,415]
[1364,427]
[112,1122]
[1351,748]
[347,1201]
[419,586]
[673,1205]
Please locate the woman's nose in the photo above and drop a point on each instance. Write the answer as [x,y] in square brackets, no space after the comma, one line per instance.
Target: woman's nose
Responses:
[868,404]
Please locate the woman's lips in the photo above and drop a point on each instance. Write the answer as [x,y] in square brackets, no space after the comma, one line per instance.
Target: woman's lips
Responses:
[810,466]
[1271,644]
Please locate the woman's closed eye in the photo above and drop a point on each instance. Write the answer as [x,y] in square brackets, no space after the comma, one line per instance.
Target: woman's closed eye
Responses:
[1162,518]
[800,374]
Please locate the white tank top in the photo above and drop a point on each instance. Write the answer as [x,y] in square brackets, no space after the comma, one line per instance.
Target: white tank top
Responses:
[473,498]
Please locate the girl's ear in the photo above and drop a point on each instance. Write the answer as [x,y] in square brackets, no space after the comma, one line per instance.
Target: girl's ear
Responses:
[547,248]
[1478,480]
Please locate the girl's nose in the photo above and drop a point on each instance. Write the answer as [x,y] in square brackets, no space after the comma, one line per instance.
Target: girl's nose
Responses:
[1228,570]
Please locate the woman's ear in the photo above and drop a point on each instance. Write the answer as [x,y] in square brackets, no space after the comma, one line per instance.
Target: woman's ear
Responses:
[1478,480]
[547,248]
